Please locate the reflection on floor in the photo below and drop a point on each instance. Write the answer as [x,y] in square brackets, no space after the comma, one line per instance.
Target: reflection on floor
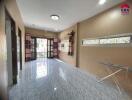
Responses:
[49,79]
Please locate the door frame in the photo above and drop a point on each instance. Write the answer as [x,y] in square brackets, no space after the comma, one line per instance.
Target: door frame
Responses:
[20,41]
[49,47]
[35,47]
[13,46]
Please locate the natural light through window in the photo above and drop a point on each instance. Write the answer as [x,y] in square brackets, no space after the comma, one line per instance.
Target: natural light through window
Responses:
[96,41]
[41,48]
[116,40]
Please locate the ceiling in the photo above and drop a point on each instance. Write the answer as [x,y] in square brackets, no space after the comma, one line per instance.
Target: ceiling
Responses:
[36,13]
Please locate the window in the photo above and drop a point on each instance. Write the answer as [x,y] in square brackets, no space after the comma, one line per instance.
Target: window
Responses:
[108,41]
[124,40]
[95,41]
[113,40]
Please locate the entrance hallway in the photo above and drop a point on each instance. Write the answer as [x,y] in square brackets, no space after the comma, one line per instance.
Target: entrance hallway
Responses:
[52,79]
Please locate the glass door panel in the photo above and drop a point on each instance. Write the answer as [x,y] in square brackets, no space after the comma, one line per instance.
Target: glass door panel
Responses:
[50,48]
[42,48]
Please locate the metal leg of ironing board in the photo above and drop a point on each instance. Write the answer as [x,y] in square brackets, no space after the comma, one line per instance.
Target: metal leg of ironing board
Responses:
[111,74]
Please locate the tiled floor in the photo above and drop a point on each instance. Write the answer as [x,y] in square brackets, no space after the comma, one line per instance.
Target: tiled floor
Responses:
[49,79]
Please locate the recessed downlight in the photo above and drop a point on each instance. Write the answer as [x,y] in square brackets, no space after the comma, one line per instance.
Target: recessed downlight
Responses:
[101,2]
[55,17]
[56,29]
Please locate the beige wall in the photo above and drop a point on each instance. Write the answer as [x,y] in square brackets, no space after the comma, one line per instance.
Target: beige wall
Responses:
[108,23]
[13,10]
[40,33]
[64,36]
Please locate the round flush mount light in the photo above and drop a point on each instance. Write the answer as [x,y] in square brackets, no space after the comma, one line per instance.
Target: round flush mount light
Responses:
[55,17]
[56,29]
[101,2]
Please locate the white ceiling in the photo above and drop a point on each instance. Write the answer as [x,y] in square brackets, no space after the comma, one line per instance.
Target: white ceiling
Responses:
[36,13]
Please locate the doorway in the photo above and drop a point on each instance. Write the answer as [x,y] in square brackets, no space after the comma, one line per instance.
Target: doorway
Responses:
[41,47]
[19,49]
[10,29]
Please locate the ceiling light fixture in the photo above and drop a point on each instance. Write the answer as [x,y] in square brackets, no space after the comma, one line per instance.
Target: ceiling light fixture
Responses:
[101,2]
[55,17]
[56,29]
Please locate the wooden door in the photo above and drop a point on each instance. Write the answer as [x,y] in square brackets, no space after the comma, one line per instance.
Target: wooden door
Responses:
[14,50]
[55,48]
[50,53]
[27,47]
[10,29]
[33,48]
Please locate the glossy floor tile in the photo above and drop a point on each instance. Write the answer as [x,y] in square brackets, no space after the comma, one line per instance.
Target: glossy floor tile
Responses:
[50,79]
